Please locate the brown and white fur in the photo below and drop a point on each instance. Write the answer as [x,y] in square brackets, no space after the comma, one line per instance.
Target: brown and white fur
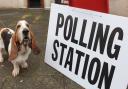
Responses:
[20,45]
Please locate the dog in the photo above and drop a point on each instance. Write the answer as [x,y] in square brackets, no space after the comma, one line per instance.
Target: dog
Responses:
[18,44]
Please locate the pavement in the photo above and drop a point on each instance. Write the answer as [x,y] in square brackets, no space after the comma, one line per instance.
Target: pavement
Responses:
[38,75]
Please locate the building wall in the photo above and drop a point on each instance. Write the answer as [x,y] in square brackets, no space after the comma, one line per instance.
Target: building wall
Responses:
[21,3]
[47,3]
[13,3]
[119,7]
[7,4]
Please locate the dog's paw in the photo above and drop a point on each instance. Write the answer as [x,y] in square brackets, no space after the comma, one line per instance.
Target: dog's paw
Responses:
[15,72]
[24,65]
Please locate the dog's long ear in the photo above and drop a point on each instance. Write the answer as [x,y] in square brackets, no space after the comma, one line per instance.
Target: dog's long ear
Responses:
[34,47]
[14,50]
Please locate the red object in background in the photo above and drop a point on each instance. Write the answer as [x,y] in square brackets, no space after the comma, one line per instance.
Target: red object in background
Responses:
[96,5]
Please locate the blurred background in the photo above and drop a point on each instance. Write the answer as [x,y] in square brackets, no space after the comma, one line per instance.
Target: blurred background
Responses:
[119,7]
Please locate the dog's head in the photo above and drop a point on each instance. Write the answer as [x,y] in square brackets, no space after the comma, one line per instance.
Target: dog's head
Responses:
[23,33]
[23,36]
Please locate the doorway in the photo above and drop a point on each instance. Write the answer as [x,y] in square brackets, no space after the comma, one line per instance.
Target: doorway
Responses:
[58,1]
[35,3]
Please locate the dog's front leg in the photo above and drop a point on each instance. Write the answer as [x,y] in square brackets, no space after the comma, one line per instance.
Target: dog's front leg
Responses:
[1,57]
[24,64]
[16,69]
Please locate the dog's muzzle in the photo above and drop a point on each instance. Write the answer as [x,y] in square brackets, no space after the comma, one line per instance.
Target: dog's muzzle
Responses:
[26,41]
[25,32]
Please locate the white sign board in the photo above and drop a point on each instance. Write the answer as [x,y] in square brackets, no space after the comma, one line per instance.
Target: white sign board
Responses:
[89,47]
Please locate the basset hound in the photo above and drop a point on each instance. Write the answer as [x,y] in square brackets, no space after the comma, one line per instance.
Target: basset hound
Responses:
[18,44]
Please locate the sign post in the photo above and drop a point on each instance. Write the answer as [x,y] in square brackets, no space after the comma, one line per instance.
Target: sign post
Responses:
[88,47]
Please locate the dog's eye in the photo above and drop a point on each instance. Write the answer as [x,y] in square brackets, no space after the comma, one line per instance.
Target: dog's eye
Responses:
[27,25]
[18,26]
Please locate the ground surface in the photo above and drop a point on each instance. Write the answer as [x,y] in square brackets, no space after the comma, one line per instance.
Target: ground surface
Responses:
[39,75]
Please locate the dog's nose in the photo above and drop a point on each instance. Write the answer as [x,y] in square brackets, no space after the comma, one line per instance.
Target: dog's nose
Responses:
[25,32]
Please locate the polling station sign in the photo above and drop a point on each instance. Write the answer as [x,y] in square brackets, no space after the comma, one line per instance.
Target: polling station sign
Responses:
[89,47]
